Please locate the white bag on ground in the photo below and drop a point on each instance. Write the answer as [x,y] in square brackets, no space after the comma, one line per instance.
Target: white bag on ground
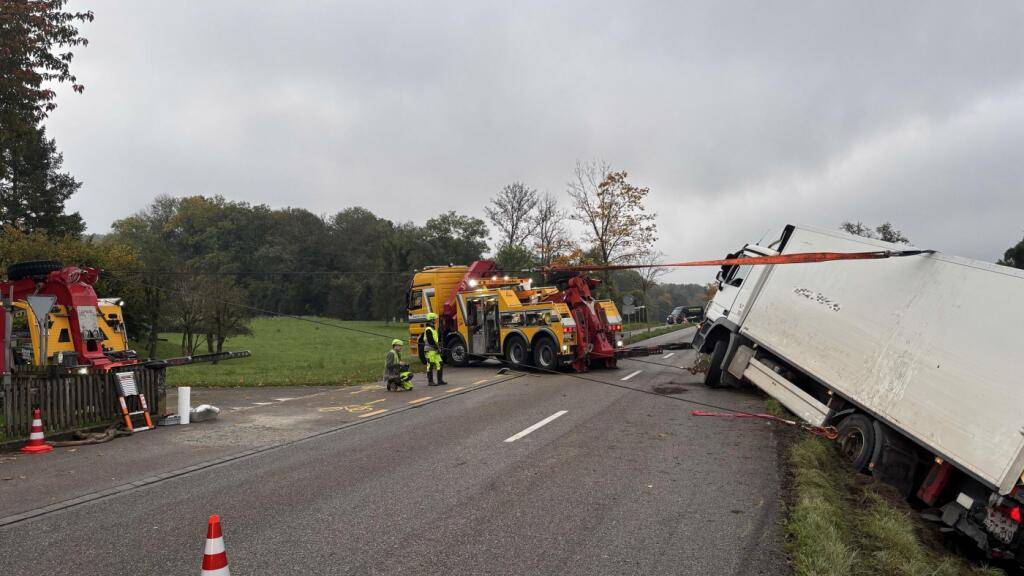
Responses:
[203,412]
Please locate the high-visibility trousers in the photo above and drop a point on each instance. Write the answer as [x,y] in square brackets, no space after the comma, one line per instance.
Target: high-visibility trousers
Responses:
[433,360]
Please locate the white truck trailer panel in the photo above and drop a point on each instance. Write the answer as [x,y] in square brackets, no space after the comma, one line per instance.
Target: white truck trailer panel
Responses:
[930,343]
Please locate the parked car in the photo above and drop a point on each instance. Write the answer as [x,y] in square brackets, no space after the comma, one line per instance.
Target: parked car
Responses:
[676,316]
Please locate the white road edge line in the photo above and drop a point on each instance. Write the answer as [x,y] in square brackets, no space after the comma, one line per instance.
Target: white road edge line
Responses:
[547,420]
[669,355]
[631,375]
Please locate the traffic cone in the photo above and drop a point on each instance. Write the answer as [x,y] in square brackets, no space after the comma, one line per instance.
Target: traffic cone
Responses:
[215,559]
[36,445]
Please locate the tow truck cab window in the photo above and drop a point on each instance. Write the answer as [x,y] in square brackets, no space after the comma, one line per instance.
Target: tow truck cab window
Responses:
[416,300]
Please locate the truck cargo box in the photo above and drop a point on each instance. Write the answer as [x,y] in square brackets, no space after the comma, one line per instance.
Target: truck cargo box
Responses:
[930,344]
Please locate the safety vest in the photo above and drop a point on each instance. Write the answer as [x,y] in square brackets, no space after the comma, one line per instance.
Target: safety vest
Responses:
[430,331]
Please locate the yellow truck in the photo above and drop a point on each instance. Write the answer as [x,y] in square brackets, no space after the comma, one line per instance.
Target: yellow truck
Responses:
[483,313]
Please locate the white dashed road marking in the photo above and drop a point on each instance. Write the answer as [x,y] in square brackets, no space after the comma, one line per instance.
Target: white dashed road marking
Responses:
[547,420]
[669,355]
[631,375]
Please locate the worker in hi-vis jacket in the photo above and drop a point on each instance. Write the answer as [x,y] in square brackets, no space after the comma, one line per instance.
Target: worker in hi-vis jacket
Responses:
[396,374]
[432,350]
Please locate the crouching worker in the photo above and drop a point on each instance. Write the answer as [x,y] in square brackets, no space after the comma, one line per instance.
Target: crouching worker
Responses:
[396,373]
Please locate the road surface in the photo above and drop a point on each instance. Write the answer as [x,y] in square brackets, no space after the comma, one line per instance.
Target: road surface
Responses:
[513,474]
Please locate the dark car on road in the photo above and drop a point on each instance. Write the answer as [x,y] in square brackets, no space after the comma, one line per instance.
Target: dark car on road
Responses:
[676,316]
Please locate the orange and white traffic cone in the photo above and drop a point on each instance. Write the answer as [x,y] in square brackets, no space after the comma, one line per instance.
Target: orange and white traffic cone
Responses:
[36,444]
[215,559]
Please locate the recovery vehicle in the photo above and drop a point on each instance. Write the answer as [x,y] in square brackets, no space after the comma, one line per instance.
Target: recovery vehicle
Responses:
[915,360]
[484,313]
[83,333]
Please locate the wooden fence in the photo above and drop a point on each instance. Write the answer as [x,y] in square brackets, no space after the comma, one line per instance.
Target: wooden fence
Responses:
[71,401]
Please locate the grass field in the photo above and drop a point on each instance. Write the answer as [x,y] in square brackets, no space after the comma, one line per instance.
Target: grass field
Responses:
[843,524]
[656,330]
[287,351]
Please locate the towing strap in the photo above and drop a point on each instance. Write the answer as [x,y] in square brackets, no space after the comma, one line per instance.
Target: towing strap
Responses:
[797,258]
[828,432]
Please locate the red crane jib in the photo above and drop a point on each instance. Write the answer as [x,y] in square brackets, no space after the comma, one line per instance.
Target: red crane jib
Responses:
[591,329]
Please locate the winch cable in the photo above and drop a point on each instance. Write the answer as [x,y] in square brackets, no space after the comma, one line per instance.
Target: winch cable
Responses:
[795,258]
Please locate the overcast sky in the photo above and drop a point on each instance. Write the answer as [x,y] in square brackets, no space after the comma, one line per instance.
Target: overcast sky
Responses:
[740,117]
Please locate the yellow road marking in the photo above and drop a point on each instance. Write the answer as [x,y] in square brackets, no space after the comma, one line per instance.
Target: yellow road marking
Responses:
[456,389]
[418,400]
[479,382]
[368,414]
[367,388]
[375,401]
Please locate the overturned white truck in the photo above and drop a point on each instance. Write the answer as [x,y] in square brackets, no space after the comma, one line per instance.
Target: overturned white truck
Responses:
[916,360]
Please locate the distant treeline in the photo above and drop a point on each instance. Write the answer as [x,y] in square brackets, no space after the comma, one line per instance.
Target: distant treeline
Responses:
[202,266]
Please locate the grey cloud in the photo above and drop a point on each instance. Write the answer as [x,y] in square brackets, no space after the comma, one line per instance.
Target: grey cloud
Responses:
[739,116]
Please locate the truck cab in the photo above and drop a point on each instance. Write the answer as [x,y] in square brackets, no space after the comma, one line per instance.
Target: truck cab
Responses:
[736,286]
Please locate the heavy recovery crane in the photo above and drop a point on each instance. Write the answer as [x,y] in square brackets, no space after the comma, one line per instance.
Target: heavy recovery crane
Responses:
[484,313]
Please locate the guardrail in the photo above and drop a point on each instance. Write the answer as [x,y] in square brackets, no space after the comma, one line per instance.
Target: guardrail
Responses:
[71,401]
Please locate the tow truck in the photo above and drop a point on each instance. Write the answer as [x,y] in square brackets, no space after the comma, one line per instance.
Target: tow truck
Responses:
[484,313]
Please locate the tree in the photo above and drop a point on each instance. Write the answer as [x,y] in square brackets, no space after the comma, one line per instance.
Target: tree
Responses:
[1014,256]
[453,238]
[885,232]
[511,213]
[222,319]
[649,273]
[31,33]
[551,239]
[514,258]
[618,227]
[33,189]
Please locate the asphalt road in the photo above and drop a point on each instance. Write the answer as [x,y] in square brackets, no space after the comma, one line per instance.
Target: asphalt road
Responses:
[621,482]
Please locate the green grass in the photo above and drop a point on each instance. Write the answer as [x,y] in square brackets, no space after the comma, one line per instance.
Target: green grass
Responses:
[836,526]
[660,330]
[288,351]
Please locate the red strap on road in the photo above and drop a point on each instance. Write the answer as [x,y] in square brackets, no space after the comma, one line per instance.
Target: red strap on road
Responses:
[797,258]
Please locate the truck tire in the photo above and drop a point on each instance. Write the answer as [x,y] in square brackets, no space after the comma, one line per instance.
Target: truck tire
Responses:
[421,350]
[36,269]
[856,440]
[515,351]
[713,375]
[545,354]
[458,353]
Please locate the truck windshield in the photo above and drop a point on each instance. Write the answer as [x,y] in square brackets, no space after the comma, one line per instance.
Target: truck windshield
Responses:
[737,275]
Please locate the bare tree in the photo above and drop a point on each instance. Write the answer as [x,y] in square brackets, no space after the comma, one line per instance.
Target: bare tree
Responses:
[612,209]
[510,212]
[885,232]
[187,314]
[649,273]
[550,237]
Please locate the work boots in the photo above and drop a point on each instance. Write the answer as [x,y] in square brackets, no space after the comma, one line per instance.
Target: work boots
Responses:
[440,376]
[430,378]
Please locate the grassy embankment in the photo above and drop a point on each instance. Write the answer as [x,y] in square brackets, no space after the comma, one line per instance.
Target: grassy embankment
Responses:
[287,351]
[842,524]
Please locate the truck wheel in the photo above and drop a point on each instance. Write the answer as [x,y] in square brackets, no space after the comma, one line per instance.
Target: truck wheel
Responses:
[713,375]
[37,269]
[458,355]
[421,351]
[545,355]
[515,351]
[856,440]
